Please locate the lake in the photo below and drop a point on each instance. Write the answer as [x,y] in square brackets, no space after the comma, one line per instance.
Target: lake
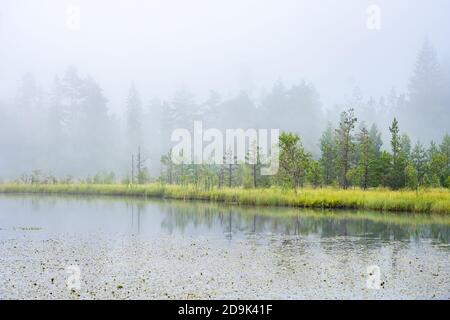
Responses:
[68,247]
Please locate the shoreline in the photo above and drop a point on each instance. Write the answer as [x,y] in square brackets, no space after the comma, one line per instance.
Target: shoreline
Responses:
[424,201]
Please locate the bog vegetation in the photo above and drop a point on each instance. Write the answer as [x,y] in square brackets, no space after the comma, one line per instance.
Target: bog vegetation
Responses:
[349,160]
[429,201]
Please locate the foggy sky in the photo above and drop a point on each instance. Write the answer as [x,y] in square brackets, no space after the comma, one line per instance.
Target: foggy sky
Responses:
[223,45]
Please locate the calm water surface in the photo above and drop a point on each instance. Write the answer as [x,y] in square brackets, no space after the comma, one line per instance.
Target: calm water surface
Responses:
[131,248]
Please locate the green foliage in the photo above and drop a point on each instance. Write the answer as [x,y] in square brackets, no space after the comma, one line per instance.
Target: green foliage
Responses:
[375,138]
[293,159]
[142,176]
[354,176]
[383,169]
[366,158]
[412,179]
[328,150]
[345,145]
[437,168]
[399,158]
[315,176]
[405,146]
[445,151]
[247,178]
[419,160]
[358,155]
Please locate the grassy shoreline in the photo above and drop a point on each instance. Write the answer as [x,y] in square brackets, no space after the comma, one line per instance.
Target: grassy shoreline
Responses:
[424,201]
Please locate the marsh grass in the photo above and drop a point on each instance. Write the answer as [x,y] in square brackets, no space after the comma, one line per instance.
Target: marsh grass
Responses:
[423,201]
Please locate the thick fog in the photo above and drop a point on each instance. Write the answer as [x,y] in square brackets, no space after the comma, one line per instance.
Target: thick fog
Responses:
[84,83]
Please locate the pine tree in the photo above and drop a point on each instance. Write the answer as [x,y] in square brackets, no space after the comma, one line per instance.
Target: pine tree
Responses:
[445,151]
[397,170]
[419,160]
[345,144]
[328,158]
[412,180]
[366,157]
[375,138]
[315,174]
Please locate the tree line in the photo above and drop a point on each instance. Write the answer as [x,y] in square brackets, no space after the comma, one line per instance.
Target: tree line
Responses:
[351,156]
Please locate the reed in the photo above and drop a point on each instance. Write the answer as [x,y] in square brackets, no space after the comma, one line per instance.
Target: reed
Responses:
[423,201]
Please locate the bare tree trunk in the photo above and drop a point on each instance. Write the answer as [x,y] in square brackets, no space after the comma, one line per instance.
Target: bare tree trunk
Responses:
[132,168]
[139,165]
[254,176]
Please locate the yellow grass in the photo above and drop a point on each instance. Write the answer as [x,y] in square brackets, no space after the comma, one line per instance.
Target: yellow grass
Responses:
[424,201]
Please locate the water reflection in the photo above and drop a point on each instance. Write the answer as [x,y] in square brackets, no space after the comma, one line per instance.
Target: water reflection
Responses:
[153,217]
[249,220]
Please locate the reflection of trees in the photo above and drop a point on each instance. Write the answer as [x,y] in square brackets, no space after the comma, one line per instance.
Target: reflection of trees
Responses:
[245,220]
[237,220]
[136,208]
[178,215]
[384,231]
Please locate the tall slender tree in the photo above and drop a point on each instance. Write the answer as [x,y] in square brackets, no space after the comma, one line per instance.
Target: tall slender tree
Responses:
[365,156]
[419,160]
[328,157]
[397,170]
[345,144]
